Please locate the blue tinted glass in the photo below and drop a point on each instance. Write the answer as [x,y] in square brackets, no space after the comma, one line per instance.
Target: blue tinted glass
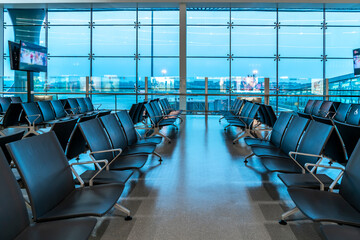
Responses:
[343,18]
[208,41]
[112,74]
[340,41]
[67,18]
[164,40]
[114,41]
[300,41]
[300,18]
[253,41]
[69,41]
[207,17]
[253,17]
[339,67]
[158,17]
[114,17]
[67,73]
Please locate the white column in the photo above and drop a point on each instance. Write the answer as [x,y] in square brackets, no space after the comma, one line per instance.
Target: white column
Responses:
[182,54]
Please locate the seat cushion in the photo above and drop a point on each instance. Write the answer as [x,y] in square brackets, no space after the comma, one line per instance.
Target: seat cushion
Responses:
[106,176]
[324,206]
[336,232]
[149,141]
[268,152]
[286,165]
[86,201]
[129,162]
[305,180]
[258,142]
[79,229]
[139,149]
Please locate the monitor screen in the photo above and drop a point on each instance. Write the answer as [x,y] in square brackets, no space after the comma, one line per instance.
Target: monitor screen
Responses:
[14,52]
[356,54]
[32,57]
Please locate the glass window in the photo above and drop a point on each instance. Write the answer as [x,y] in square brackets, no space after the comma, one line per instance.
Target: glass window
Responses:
[208,41]
[68,17]
[164,40]
[253,17]
[340,41]
[69,41]
[113,74]
[114,41]
[343,18]
[300,42]
[153,16]
[253,41]
[216,69]
[249,73]
[114,17]
[68,73]
[339,67]
[7,19]
[300,18]
[24,16]
[208,17]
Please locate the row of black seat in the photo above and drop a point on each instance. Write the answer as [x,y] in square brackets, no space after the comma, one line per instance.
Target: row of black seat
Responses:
[154,115]
[115,151]
[296,150]
[249,117]
[345,119]
[341,112]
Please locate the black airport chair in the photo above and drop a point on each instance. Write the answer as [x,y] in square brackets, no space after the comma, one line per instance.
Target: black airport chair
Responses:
[341,112]
[309,150]
[5,103]
[16,100]
[309,106]
[119,140]
[339,232]
[289,141]
[246,123]
[132,111]
[272,115]
[13,116]
[316,107]
[326,109]
[47,112]
[63,131]
[350,135]
[8,139]
[77,143]
[59,109]
[324,206]
[34,118]
[353,117]
[14,218]
[91,108]
[49,182]
[276,136]
[132,134]
[75,107]
[101,148]
[83,107]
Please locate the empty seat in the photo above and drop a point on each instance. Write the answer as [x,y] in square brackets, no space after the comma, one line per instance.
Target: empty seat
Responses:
[341,112]
[5,103]
[353,117]
[16,99]
[316,107]
[48,178]
[58,109]
[309,106]
[14,219]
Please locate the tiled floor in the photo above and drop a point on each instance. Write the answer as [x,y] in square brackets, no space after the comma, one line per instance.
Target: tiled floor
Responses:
[203,190]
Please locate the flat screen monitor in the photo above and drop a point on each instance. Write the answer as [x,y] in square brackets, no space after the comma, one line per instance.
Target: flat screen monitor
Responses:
[32,57]
[356,54]
[14,52]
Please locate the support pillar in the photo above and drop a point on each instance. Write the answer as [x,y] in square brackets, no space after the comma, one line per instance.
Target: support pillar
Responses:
[182,55]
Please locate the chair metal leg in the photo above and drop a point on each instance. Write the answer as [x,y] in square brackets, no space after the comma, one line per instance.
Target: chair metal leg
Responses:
[248,156]
[158,155]
[124,210]
[181,120]
[226,127]
[162,135]
[221,118]
[287,214]
[245,133]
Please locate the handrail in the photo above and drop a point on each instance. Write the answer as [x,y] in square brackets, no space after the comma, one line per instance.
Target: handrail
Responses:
[183,94]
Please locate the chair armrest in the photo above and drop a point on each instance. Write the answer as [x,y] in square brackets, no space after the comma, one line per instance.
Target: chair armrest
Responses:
[119,150]
[89,162]
[98,106]
[291,155]
[331,188]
